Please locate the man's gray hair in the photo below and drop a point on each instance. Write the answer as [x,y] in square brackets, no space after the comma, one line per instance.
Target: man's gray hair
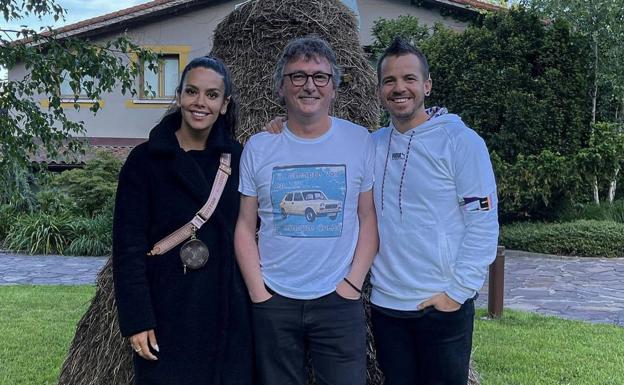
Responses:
[308,47]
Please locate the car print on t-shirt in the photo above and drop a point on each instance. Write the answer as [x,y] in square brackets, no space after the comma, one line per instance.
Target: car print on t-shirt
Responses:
[308,200]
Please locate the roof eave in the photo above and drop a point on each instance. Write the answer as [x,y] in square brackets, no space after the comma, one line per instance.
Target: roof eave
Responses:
[109,23]
[469,5]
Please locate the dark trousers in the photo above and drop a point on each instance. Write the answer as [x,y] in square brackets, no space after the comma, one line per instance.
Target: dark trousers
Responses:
[331,328]
[426,347]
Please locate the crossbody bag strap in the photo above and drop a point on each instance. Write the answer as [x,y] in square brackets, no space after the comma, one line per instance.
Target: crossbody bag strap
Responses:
[202,216]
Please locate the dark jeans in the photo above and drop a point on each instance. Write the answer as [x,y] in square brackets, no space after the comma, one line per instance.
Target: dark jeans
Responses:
[331,328]
[426,347]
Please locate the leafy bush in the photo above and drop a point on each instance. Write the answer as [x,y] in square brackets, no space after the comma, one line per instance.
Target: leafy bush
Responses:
[53,200]
[586,238]
[520,83]
[92,187]
[91,236]
[39,233]
[537,186]
[72,212]
[602,212]
[7,216]
[44,233]
[17,187]
[406,26]
[617,211]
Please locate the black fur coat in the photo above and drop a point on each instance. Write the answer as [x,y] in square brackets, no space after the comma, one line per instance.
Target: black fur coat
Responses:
[201,318]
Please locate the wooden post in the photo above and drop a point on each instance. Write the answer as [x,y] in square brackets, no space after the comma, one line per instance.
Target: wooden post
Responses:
[496,284]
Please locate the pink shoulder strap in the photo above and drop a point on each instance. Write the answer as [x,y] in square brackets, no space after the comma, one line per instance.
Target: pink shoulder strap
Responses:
[202,216]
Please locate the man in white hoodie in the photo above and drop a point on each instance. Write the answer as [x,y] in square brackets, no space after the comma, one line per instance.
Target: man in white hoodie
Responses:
[435,197]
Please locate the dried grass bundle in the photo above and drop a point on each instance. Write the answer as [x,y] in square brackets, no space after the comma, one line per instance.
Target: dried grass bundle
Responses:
[252,37]
[98,354]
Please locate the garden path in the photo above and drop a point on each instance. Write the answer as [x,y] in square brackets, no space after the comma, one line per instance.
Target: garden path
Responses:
[588,289]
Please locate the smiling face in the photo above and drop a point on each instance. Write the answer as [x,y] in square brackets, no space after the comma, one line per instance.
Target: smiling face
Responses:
[201,99]
[402,90]
[307,102]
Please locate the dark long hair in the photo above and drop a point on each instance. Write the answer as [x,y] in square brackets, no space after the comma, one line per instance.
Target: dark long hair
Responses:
[229,120]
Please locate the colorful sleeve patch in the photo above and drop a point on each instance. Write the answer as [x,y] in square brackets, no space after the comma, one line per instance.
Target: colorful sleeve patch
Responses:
[477,203]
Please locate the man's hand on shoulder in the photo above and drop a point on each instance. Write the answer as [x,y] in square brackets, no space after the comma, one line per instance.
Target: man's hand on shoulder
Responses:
[275,126]
[441,302]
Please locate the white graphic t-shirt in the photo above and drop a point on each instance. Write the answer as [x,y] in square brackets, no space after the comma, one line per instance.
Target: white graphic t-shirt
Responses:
[307,191]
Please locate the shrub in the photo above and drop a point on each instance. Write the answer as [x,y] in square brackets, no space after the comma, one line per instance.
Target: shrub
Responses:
[536,186]
[499,74]
[602,212]
[91,236]
[92,187]
[54,201]
[17,187]
[7,216]
[585,238]
[617,211]
[39,233]
[593,211]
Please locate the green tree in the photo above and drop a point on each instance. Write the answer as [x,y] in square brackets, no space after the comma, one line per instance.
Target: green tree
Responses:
[520,84]
[600,163]
[92,69]
[602,23]
[405,26]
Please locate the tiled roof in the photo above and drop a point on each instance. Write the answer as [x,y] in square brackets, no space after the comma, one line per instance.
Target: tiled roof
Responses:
[154,6]
[476,4]
[124,15]
[120,148]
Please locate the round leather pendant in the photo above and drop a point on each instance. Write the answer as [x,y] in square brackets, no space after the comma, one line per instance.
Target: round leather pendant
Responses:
[194,254]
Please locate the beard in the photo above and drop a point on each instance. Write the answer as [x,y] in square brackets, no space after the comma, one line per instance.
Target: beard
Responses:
[406,114]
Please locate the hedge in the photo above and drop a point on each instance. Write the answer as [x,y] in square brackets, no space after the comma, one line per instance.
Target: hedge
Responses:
[585,238]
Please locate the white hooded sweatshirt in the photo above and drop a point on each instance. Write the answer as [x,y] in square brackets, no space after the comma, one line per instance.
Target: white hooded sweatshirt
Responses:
[436,203]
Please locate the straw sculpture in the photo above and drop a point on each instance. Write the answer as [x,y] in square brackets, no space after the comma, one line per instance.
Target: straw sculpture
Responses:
[249,41]
[99,355]
[251,38]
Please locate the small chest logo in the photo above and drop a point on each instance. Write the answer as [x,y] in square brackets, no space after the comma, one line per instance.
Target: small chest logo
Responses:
[398,156]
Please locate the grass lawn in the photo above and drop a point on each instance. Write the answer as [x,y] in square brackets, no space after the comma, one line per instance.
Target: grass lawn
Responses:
[530,349]
[37,324]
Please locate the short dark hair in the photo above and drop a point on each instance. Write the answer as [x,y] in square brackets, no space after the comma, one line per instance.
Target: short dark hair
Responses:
[307,47]
[229,119]
[400,47]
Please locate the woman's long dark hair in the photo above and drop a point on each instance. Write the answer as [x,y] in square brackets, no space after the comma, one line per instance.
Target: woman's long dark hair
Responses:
[228,120]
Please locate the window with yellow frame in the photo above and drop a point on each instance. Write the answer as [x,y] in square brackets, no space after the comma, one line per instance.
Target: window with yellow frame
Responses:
[160,82]
[157,85]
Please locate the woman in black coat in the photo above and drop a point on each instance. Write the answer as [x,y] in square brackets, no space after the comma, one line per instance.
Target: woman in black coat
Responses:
[185,326]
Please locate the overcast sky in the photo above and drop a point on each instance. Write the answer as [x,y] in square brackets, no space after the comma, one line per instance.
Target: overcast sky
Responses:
[77,10]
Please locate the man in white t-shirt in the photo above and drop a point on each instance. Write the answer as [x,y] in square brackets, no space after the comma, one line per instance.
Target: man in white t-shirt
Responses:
[311,186]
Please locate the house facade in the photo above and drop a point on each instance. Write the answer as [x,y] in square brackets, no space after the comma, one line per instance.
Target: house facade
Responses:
[180,30]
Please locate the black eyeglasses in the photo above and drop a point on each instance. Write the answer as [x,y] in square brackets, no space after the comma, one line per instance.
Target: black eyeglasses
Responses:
[298,79]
